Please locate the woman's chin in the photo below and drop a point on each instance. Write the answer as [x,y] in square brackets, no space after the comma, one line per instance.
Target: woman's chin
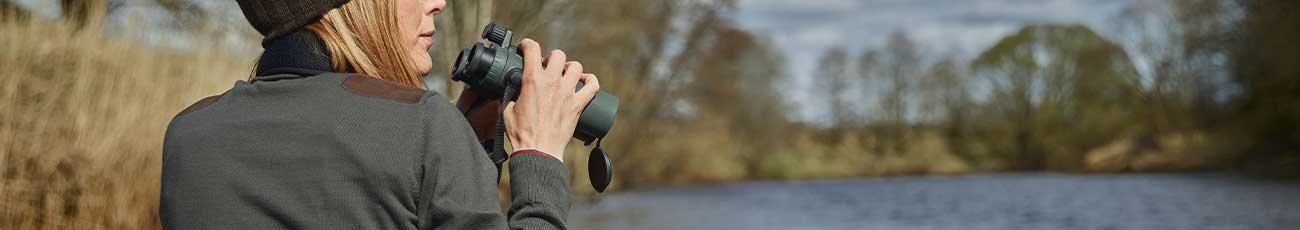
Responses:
[423,63]
[424,69]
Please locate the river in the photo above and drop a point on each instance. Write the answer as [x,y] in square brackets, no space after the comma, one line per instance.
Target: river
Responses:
[989,201]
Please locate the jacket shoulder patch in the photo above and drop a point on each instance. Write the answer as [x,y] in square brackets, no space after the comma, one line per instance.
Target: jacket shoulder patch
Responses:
[375,87]
[202,103]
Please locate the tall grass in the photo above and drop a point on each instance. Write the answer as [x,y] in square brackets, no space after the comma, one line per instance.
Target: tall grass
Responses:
[82,116]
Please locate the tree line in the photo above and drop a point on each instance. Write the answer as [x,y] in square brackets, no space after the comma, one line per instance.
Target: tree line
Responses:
[1220,84]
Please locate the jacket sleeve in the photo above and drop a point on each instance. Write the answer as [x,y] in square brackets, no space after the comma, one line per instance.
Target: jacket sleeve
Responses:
[539,187]
[458,188]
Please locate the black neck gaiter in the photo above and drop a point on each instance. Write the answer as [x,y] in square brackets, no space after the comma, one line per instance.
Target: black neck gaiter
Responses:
[299,53]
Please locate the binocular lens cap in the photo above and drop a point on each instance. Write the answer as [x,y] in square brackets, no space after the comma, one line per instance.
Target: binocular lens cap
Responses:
[599,169]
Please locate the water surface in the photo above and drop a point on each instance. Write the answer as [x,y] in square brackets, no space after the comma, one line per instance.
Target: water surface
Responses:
[994,201]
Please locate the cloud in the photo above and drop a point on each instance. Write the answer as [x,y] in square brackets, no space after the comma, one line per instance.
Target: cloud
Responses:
[819,35]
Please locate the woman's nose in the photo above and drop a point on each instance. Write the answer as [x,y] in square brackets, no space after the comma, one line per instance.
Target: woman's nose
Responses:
[436,6]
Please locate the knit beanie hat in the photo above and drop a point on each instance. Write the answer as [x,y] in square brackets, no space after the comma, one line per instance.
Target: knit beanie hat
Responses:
[273,18]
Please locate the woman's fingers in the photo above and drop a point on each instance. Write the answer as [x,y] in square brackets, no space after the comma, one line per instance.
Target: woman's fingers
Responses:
[572,71]
[509,114]
[556,57]
[532,58]
[591,85]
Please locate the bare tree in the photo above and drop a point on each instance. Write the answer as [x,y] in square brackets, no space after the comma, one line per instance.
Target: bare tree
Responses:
[948,98]
[869,68]
[900,66]
[832,82]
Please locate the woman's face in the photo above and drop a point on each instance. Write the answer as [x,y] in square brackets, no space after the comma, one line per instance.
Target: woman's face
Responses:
[415,25]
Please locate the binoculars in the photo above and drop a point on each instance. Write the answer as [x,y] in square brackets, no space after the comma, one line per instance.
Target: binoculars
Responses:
[496,69]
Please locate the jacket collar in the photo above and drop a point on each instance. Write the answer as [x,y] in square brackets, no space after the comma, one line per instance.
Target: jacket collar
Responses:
[295,55]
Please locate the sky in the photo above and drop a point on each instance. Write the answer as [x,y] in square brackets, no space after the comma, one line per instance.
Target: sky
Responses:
[804,29]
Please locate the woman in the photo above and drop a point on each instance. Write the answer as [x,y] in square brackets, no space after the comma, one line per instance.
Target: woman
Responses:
[333,131]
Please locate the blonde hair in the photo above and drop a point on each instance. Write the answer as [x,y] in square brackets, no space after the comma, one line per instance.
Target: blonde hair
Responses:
[362,36]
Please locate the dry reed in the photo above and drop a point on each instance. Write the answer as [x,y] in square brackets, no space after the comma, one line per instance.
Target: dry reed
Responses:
[82,117]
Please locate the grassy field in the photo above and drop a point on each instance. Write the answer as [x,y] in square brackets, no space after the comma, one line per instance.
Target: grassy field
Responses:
[82,123]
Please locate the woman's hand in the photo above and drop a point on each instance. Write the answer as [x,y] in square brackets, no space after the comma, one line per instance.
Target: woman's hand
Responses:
[546,113]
